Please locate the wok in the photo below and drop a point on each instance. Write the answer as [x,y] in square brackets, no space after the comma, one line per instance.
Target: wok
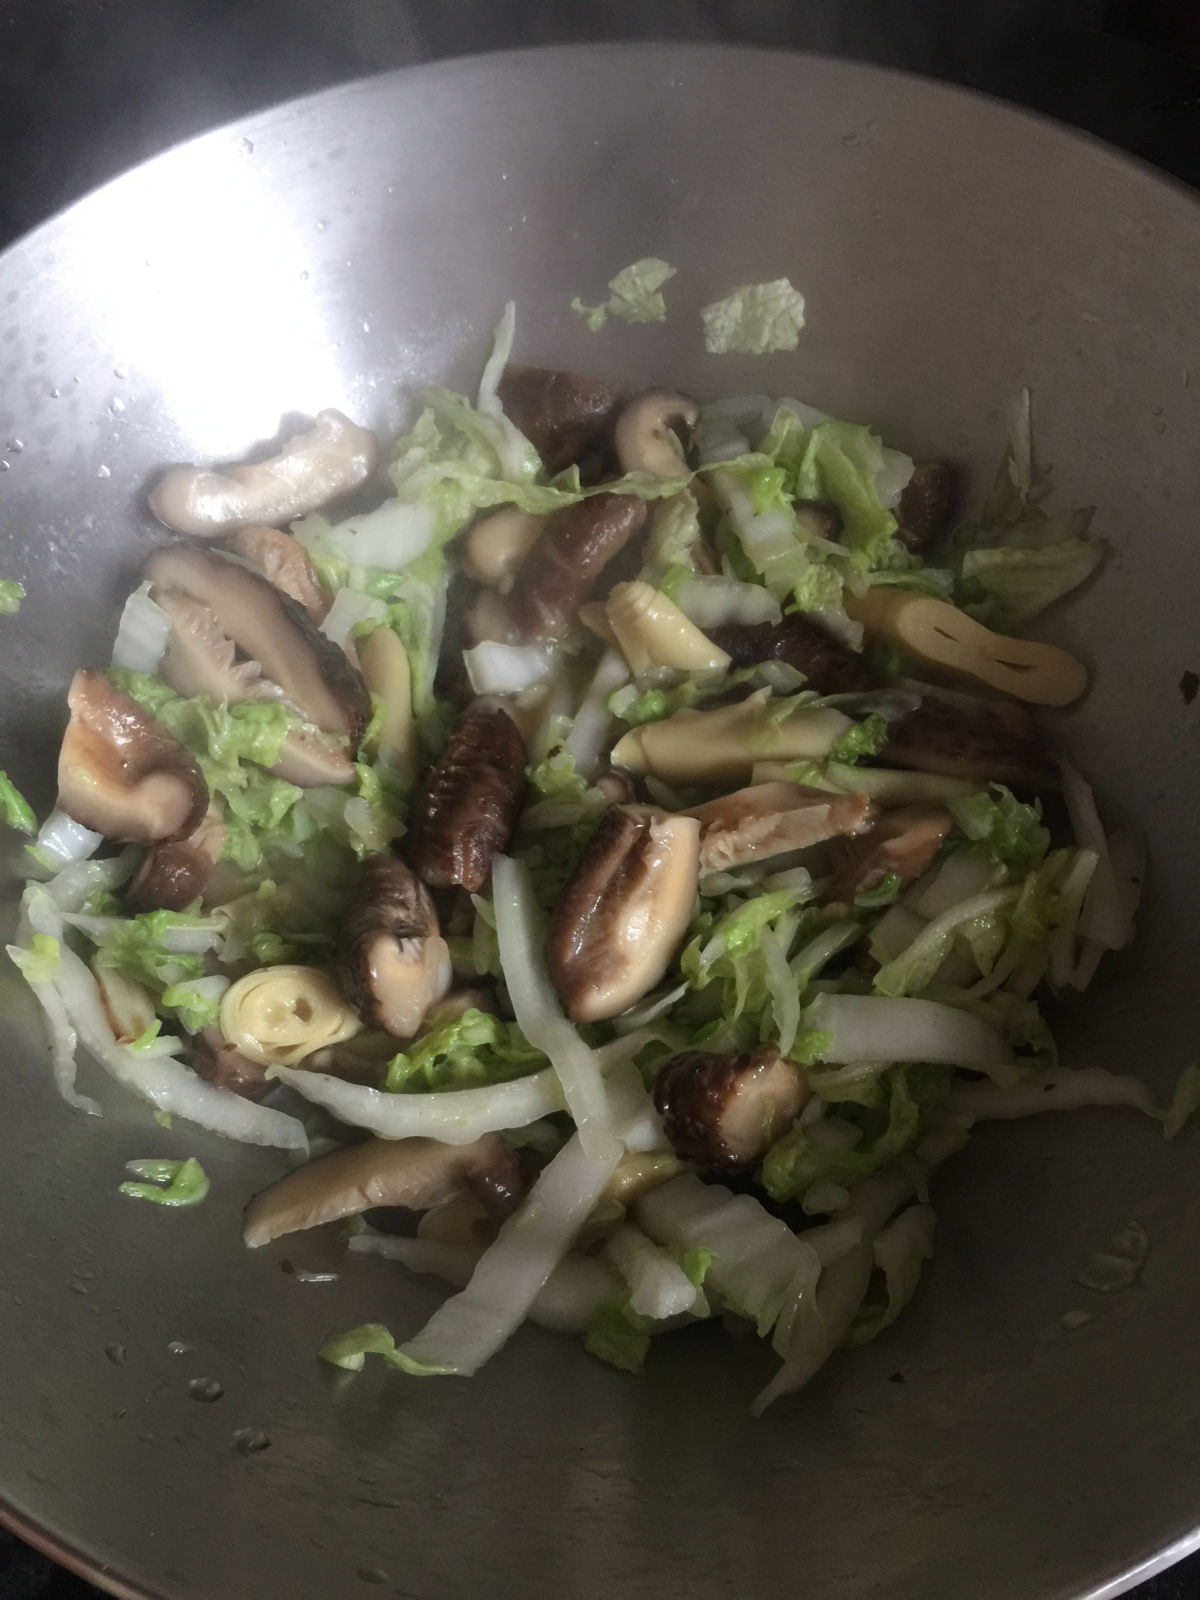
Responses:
[325,253]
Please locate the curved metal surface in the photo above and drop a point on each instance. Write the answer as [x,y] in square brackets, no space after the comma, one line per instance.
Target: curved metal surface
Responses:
[326,253]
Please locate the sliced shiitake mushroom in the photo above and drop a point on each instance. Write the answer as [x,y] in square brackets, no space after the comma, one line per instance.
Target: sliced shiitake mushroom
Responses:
[392,960]
[174,875]
[414,1174]
[325,462]
[963,737]
[767,819]
[567,418]
[829,666]
[466,808]
[647,433]
[902,843]
[121,773]
[927,506]
[284,562]
[624,910]
[723,1111]
[563,567]
[224,1065]
[275,632]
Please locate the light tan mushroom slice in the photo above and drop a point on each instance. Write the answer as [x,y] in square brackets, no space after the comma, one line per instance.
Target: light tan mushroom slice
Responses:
[127,1005]
[121,773]
[201,658]
[496,545]
[771,818]
[284,562]
[311,759]
[645,436]
[904,843]
[624,910]
[325,462]
[723,1111]
[413,1173]
[392,960]
[312,673]
[638,1173]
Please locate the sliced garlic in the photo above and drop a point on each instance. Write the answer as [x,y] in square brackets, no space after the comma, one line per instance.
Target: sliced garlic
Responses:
[939,635]
[278,1015]
[653,632]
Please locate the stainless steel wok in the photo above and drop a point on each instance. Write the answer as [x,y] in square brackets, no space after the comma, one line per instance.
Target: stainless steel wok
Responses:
[327,253]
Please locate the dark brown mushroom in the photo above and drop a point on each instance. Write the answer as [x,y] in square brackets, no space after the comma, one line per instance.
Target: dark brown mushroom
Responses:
[723,1111]
[360,1059]
[121,773]
[223,1064]
[393,963]
[927,506]
[624,910]
[274,631]
[962,737]
[903,843]
[562,569]
[768,819]
[173,876]
[648,430]
[415,1174]
[567,418]
[466,807]
[284,562]
[828,666]
[819,519]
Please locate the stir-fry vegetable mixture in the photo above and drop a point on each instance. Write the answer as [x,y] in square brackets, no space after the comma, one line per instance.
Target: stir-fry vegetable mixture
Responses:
[621,826]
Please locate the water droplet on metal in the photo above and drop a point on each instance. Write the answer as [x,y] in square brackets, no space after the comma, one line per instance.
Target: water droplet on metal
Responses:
[371,1574]
[4,465]
[178,1347]
[304,276]
[321,224]
[366,327]
[246,146]
[120,372]
[117,1354]
[205,1389]
[116,405]
[15,446]
[103,472]
[250,1441]
[56,394]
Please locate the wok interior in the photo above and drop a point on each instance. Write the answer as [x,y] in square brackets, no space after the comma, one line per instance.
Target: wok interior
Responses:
[323,255]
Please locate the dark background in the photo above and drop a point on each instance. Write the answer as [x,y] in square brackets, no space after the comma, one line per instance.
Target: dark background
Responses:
[88,87]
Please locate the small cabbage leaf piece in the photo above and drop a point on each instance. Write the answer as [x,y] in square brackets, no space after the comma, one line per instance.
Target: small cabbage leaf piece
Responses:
[167,1183]
[756,319]
[350,1350]
[619,1335]
[634,295]
[11,595]
[14,808]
